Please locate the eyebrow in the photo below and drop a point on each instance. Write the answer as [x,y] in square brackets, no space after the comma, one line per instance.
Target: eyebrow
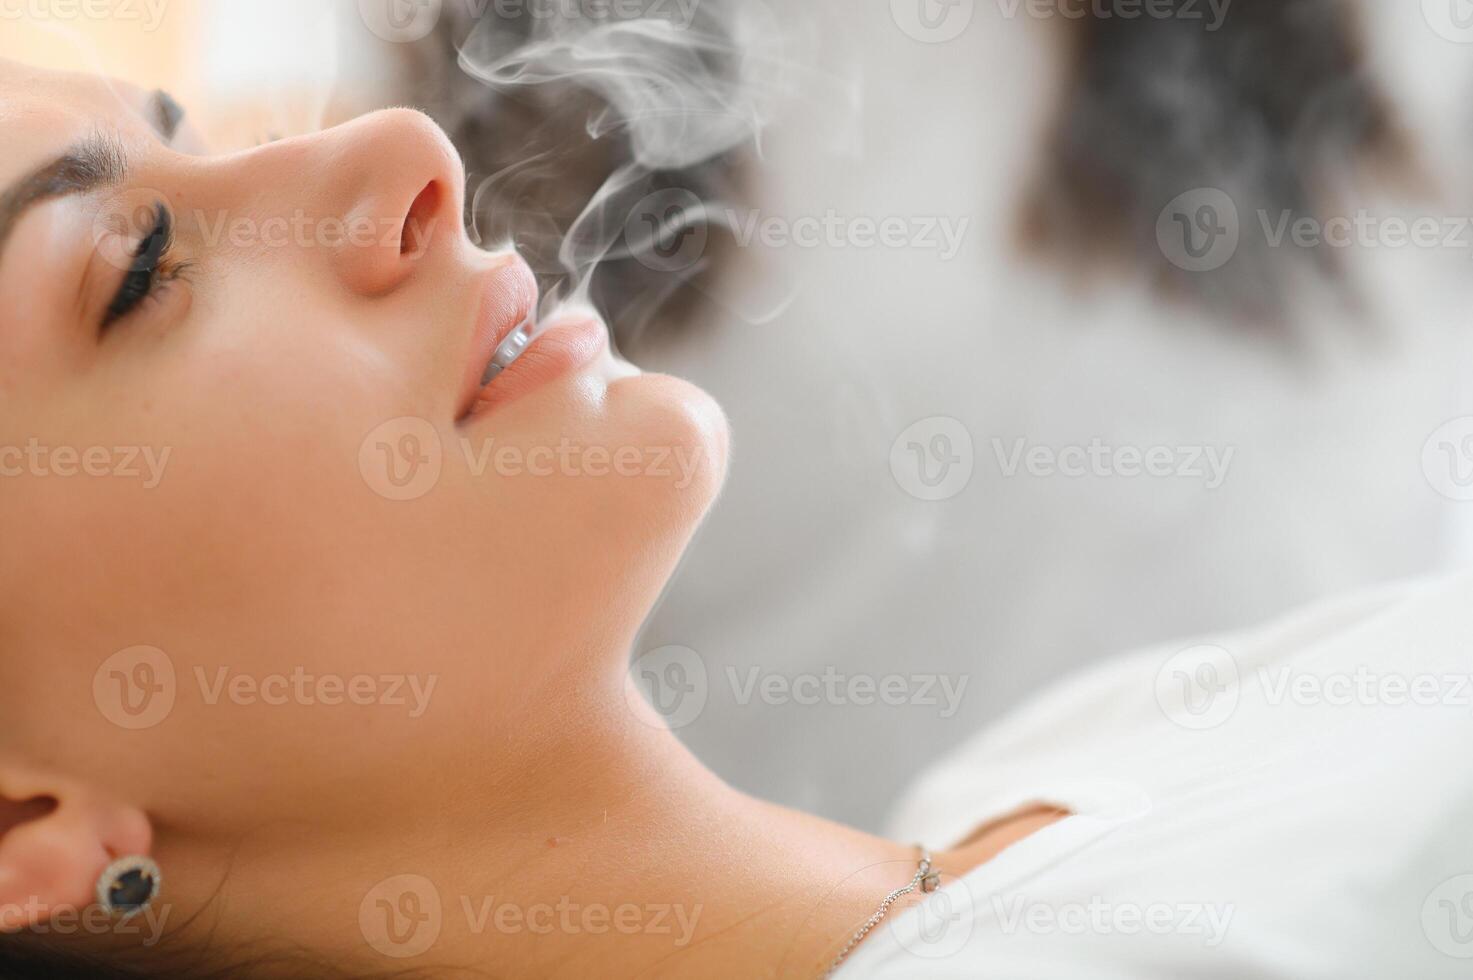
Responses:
[96,162]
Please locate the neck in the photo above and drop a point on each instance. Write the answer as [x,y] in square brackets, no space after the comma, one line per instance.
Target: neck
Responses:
[610,852]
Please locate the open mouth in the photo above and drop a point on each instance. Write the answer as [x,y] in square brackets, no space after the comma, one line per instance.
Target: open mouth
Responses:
[513,354]
[503,328]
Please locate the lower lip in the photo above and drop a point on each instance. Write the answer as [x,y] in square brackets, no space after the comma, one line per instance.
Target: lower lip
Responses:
[563,346]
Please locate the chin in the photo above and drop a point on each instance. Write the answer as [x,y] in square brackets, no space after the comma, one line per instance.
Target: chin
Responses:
[663,415]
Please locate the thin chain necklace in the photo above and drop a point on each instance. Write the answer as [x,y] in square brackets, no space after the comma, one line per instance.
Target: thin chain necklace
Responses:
[925,879]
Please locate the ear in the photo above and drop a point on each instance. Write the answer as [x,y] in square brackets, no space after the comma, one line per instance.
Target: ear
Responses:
[56,840]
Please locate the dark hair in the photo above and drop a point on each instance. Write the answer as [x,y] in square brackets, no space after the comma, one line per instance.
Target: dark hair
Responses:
[24,958]
[21,961]
[1270,107]
[188,951]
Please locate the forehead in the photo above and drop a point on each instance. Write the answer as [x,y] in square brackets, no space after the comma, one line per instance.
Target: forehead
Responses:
[44,112]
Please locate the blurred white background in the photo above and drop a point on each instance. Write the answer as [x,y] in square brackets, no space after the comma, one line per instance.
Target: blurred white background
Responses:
[818,558]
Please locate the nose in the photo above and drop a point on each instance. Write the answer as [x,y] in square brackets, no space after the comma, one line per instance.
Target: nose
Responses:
[399,187]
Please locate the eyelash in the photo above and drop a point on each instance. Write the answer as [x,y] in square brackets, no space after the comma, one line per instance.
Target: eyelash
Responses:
[151,268]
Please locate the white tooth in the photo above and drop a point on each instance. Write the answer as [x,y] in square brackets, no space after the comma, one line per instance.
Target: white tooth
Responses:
[511,348]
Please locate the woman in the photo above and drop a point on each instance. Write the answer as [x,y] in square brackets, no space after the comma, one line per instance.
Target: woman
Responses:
[304,617]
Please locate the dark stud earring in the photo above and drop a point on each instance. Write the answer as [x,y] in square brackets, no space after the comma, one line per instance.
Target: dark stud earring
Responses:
[128,886]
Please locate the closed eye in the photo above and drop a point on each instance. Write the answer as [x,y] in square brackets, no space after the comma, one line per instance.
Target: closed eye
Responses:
[148,270]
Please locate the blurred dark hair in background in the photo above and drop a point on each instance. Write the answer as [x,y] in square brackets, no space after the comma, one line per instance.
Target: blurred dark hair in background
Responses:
[1274,106]
[539,157]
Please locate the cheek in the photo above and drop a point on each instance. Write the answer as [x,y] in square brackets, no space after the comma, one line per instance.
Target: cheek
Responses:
[234,484]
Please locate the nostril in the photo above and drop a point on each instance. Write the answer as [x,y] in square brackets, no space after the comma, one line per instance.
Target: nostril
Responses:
[419,223]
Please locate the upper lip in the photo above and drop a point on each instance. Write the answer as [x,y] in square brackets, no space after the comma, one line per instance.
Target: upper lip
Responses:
[506,297]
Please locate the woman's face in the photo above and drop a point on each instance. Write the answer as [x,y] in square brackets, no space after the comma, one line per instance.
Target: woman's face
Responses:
[269,465]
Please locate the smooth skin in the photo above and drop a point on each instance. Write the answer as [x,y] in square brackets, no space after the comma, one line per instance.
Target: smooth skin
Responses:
[532,775]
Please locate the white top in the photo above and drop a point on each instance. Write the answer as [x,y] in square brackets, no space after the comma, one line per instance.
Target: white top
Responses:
[1293,802]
